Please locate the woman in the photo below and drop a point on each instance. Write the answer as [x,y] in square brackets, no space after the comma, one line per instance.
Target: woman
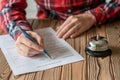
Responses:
[79,16]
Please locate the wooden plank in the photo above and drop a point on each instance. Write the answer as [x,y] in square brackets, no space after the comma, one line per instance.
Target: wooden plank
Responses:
[51,74]
[38,23]
[66,72]
[57,73]
[82,66]
[113,35]
[78,71]
[5,71]
[6,74]
[30,76]
[104,63]
[38,75]
[91,66]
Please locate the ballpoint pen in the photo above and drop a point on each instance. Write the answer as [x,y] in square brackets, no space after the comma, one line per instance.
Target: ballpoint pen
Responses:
[44,52]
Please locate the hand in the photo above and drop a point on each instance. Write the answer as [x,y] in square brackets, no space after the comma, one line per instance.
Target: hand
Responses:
[75,25]
[28,48]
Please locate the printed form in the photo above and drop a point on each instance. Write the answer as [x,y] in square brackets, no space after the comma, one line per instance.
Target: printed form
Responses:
[61,52]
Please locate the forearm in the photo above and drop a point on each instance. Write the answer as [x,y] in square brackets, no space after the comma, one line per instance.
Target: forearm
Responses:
[12,15]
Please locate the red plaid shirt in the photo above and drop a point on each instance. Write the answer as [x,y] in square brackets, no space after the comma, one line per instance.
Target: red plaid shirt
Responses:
[12,12]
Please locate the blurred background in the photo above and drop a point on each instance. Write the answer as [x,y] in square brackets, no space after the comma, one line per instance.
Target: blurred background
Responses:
[31,9]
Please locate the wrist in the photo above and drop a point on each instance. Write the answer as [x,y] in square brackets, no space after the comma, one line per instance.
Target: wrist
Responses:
[17,35]
[19,32]
[91,16]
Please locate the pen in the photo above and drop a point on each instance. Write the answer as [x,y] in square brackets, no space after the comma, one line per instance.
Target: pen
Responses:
[44,52]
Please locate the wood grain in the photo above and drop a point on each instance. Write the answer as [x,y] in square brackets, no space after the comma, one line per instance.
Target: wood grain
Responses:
[91,68]
[113,34]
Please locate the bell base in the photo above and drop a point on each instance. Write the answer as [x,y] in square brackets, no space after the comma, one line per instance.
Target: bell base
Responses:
[98,53]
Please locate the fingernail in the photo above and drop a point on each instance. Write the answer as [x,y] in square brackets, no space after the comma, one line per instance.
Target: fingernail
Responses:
[63,37]
[57,29]
[30,55]
[71,36]
[41,49]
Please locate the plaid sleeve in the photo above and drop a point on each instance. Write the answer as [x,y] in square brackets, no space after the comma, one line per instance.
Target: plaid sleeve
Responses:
[12,15]
[107,11]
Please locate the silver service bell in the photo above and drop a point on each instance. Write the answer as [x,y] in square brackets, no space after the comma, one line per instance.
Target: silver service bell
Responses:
[98,47]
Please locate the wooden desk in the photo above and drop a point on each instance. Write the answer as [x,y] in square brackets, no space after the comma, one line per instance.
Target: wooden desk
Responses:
[91,68]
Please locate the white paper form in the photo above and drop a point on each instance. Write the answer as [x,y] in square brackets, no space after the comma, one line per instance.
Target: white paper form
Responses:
[59,49]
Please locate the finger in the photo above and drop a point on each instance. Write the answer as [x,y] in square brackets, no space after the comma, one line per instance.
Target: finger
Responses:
[64,24]
[37,37]
[26,51]
[57,28]
[29,43]
[65,30]
[67,27]
[33,53]
[77,33]
[20,51]
[71,31]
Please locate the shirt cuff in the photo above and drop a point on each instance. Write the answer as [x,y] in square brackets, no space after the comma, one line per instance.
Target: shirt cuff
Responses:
[99,15]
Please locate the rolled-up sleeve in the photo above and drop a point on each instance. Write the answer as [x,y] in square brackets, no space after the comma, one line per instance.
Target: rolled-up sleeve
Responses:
[12,15]
[106,11]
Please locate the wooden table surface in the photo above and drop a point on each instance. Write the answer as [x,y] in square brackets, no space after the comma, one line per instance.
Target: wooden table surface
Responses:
[91,68]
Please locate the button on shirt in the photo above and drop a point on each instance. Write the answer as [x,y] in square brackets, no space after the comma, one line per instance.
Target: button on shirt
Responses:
[12,12]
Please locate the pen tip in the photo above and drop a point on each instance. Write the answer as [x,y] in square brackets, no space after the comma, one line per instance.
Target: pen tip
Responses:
[45,52]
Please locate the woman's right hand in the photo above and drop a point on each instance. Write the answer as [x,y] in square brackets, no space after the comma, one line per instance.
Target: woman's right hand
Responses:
[28,48]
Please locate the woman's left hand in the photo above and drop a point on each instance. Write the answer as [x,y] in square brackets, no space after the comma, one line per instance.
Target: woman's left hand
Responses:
[75,25]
